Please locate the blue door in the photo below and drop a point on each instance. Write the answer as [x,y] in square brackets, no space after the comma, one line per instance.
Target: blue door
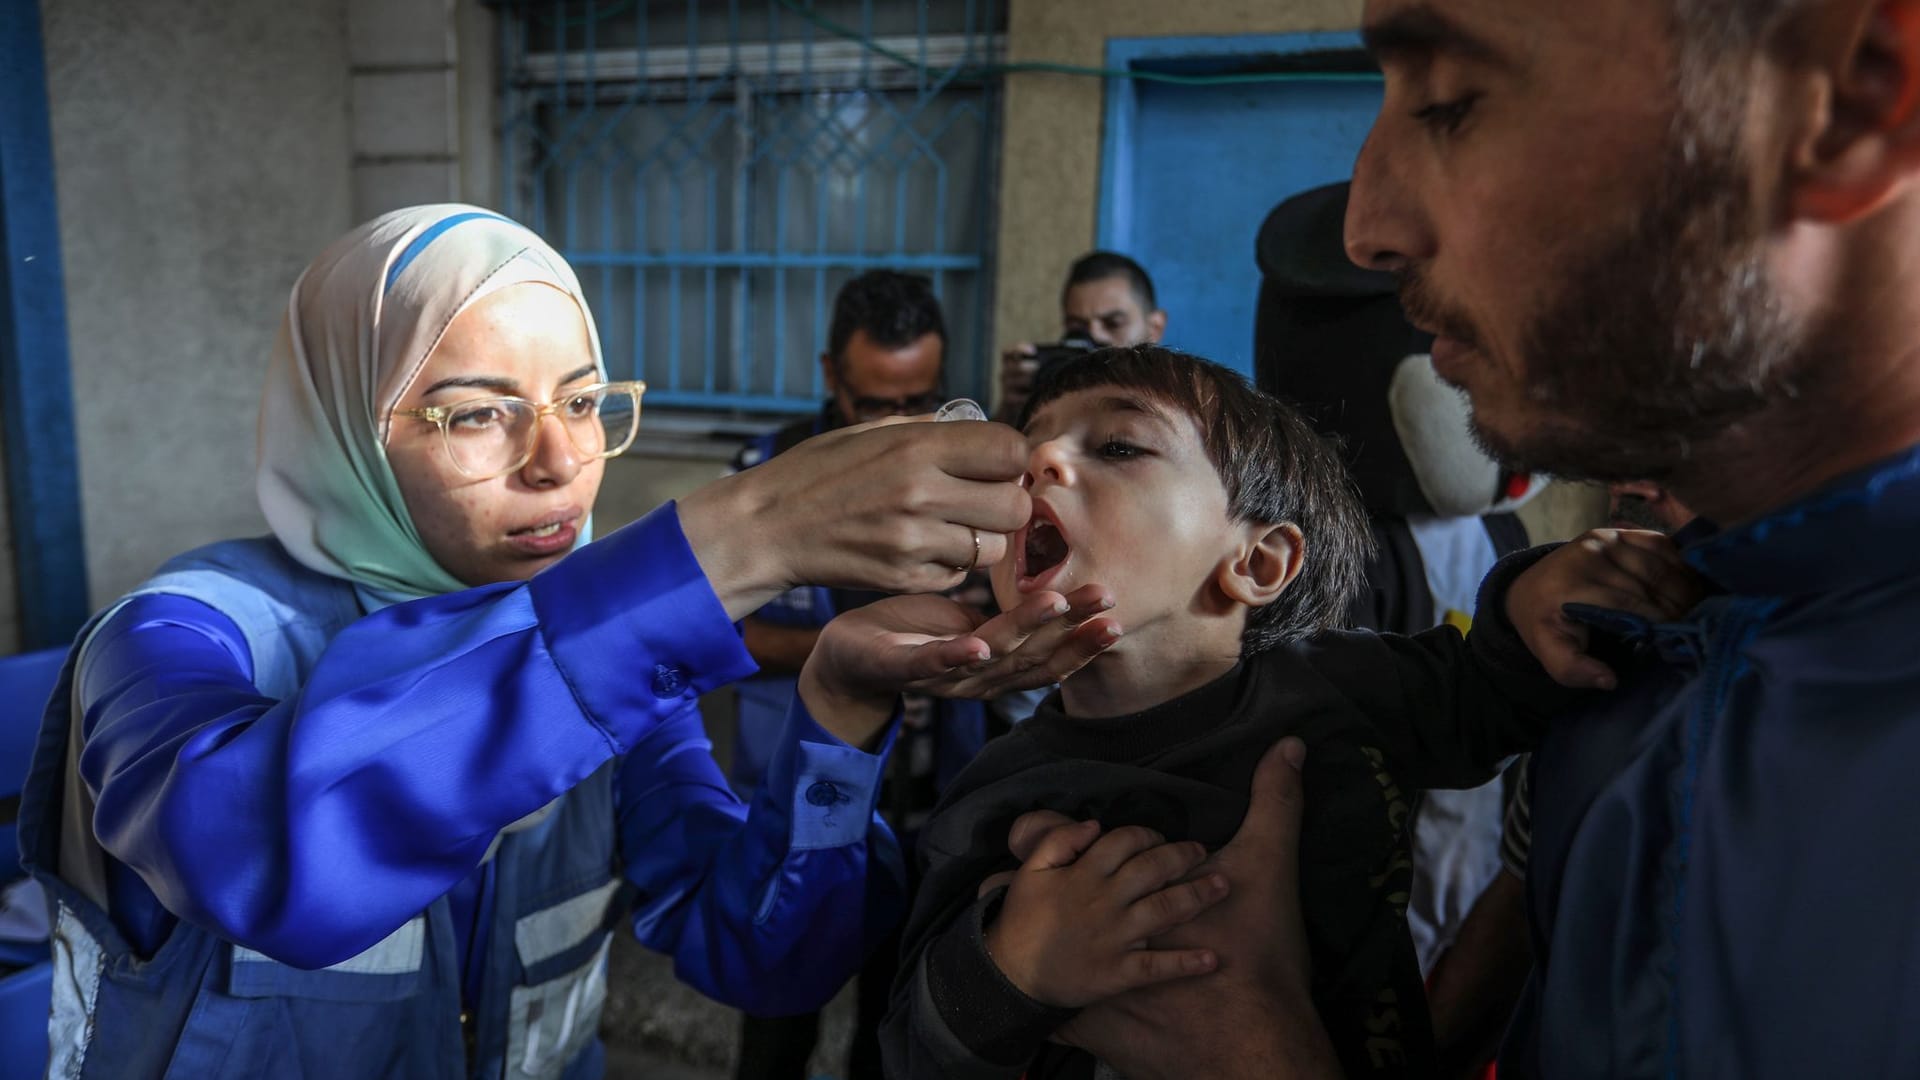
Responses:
[1190,171]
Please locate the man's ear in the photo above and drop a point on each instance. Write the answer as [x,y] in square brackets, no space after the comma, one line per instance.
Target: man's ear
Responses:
[829,373]
[1271,558]
[1157,326]
[1862,142]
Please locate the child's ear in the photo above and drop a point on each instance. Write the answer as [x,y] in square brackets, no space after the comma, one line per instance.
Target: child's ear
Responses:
[1256,574]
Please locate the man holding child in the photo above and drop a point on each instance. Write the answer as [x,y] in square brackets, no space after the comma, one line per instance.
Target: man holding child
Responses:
[1665,241]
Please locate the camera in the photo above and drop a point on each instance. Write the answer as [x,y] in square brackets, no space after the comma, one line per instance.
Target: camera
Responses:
[1049,357]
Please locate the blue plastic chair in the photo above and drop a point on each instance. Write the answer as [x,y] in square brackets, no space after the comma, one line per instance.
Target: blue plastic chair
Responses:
[26,681]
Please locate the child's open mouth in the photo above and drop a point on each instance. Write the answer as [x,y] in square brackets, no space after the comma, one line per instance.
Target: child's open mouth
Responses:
[1046,548]
[1043,550]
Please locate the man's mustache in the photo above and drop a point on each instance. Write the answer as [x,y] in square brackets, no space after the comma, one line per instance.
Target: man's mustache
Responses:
[1427,311]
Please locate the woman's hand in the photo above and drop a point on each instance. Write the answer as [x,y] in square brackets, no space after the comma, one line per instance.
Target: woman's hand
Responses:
[932,645]
[893,506]
[1622,569]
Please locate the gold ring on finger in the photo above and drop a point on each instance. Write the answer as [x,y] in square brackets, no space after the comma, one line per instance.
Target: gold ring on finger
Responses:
[975,561]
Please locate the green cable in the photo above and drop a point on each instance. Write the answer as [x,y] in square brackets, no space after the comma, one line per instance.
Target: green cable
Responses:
[838,30]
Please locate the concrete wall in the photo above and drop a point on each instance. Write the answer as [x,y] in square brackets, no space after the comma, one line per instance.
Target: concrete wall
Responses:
[423,110]
[204,152]
[201,158]
[405,111]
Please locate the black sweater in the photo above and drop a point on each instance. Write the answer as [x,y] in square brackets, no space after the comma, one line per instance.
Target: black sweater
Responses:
[1383,716]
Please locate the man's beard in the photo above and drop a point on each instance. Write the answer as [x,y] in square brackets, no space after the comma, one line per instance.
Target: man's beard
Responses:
[1659,339]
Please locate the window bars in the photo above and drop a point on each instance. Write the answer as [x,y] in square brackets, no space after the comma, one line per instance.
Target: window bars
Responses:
[716,169]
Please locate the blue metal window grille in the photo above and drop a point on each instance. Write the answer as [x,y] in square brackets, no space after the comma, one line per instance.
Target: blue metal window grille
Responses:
[715,170]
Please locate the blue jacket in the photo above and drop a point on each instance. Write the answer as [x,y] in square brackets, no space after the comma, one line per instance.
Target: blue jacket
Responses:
[1725,879]
[760,711]
[296,863]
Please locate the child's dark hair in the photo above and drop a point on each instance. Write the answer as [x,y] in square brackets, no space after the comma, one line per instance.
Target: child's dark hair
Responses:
[1275,468]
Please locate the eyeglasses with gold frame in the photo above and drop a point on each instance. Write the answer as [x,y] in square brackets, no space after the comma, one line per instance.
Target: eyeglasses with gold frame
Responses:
[493,436]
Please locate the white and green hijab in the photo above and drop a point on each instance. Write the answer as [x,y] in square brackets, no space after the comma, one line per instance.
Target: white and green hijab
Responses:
[360,324]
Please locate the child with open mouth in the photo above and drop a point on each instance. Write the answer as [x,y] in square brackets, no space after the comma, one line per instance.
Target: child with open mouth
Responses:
[1210,522]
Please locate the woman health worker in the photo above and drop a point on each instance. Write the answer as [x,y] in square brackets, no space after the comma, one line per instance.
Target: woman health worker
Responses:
[365,797]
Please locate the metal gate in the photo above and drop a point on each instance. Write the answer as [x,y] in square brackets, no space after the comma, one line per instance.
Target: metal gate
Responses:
[715,169]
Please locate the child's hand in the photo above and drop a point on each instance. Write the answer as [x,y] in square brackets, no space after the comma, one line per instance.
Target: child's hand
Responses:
[930,644]
[1255,1017]
[1622,569]
[1074,927]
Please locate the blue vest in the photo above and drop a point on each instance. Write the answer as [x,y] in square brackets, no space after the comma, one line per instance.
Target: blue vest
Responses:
[203,1008]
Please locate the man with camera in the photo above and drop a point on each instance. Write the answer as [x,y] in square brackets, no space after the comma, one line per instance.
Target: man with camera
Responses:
[1107,300]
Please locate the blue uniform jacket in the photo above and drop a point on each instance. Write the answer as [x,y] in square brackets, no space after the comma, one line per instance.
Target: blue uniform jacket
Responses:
[1725,878]
[315,829]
